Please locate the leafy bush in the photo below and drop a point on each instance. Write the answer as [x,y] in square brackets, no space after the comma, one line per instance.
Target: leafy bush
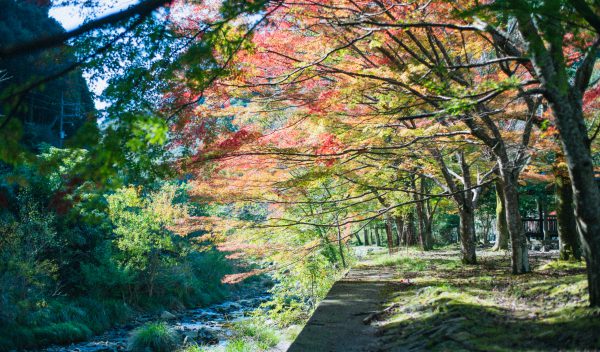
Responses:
[264,336]
[140,227]
[106,250]
[195,280]
[27,236]
[154,337]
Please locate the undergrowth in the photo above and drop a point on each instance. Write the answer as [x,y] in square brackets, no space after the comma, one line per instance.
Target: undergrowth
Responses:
[448,306]
[62,321]
[250,335]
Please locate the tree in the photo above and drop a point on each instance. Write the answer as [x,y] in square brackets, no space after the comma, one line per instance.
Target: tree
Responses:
[421,75]
[466,199]
[39,114]
[502,235]
[549,42]
[565,214]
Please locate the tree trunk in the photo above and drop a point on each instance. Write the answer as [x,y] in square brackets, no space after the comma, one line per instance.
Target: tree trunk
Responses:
[566,102]
[410,230]
[389,232]
[520,255]
[340,242]
[400,229]
[565,216]
[427,216]
[357,236]
[486,230]
[573,134]
[428,234]
[467,235]
[421,216]
[387,223]
[542,220]
[366,236]
[421,227]
[501,226]
[377,238]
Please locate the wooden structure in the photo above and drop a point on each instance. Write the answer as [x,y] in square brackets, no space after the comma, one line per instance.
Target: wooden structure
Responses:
[541,228]
[541,232]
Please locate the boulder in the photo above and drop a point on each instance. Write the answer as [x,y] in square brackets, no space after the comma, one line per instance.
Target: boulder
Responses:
[165,315]
[206,337]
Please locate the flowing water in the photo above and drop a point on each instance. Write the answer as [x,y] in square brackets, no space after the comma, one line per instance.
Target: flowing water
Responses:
[209,325]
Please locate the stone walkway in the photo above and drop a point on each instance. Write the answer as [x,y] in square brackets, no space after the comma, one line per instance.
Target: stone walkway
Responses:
[337,323]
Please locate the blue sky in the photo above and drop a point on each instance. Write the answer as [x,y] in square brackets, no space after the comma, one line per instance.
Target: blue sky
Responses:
[73,16]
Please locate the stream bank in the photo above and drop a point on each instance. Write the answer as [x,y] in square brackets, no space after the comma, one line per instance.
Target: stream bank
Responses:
[211,325]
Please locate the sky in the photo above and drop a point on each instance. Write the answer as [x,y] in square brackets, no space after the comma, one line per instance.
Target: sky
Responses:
[72,16]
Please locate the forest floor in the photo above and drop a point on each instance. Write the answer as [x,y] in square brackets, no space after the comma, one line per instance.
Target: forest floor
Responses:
[414,301]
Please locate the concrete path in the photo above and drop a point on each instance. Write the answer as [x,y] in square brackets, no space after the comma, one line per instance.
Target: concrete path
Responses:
[337,323]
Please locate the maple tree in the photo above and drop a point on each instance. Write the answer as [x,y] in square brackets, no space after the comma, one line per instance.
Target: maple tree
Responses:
[563,54]
[276,135]
[334,73]
[382,78]
[336,117]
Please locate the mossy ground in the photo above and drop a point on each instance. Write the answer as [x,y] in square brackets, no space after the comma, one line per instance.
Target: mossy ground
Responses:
[438,304]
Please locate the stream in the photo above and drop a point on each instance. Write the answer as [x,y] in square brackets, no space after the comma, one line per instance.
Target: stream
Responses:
[208,325]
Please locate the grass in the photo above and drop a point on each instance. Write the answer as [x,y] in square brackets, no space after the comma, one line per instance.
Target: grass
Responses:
[264,336]
[154,337]
[242,345]
[192,348]
[239,344]
[440,305]
[62,321]
[250,335]
[292,332]
[413,264]
[62,332]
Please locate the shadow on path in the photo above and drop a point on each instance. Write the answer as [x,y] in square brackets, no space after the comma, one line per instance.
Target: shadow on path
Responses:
[337,323]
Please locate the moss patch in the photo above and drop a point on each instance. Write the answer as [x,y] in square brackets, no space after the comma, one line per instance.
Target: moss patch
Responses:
[443,305]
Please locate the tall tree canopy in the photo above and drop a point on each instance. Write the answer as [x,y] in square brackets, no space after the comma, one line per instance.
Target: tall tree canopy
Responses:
[337,115]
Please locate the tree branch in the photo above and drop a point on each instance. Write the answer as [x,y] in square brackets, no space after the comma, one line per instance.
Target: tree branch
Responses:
[142,9]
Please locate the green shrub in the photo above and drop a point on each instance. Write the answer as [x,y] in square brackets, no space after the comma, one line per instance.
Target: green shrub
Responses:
[16,336]
[265,336]
[106,252]
[155,337]
[103,314]
[8,344]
